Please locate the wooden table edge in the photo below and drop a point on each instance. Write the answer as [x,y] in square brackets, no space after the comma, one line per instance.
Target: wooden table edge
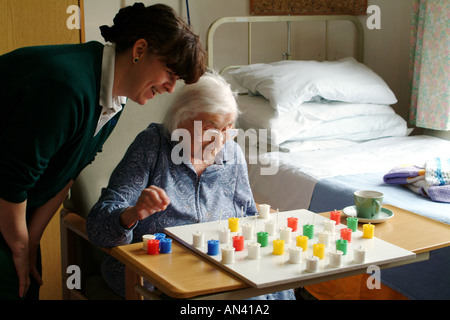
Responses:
[168,288]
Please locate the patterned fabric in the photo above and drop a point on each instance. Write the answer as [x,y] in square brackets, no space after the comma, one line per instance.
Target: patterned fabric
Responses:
[430,67]
[431,180]
[222,187]
[438,171]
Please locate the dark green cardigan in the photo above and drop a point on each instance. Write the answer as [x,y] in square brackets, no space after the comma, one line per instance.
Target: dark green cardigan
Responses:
[49,113]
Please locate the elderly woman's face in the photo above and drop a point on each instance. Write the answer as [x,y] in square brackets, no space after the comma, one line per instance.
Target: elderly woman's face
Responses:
[208,133]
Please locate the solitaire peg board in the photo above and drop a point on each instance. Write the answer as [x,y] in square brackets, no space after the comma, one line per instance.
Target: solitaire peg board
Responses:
[271,269]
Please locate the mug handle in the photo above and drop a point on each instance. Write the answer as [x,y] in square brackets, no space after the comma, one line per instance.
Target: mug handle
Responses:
[377,206]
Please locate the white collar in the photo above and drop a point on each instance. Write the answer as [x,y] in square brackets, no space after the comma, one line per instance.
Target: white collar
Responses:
[110,105]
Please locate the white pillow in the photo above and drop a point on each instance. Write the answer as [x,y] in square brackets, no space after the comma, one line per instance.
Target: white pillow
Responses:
[360,128]
[258,114]
[287,84]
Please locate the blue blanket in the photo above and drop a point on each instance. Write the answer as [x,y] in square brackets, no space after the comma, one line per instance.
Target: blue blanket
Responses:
[423,280]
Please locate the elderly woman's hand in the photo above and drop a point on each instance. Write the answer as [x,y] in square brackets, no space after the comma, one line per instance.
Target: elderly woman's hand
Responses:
[153,199]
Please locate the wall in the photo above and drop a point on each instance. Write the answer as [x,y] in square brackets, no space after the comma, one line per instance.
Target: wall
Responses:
[29,23]
[438,133]
[387,49]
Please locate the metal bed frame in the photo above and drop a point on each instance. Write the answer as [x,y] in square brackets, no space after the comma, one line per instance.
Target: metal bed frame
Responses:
[288,19]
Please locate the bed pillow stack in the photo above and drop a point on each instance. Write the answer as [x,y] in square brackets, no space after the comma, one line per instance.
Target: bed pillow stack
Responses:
[313,105]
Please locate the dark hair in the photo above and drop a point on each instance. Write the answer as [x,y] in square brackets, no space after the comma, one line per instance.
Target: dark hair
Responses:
[167,35]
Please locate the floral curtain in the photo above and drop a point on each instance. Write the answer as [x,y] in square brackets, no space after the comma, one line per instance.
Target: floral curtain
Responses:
[430,66]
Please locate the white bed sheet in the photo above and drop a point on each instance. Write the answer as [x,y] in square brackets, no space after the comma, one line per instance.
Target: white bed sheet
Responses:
[298,172]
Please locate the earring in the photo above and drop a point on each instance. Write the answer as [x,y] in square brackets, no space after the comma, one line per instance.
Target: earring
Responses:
[136,60]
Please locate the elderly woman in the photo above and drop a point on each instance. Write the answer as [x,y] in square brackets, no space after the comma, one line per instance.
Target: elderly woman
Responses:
[60,104]
[186,171]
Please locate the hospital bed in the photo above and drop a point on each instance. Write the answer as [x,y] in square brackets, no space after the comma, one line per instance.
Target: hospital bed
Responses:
[316,131]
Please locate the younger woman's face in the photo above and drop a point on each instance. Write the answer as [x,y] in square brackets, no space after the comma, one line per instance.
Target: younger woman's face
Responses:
[151,77]
[147,77]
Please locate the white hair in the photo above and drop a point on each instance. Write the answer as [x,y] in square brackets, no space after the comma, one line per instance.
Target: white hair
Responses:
[210,94]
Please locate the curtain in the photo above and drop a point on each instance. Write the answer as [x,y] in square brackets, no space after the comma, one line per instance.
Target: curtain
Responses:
[430,67]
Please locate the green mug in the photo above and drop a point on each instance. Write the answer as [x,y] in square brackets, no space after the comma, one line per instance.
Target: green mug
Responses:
[368,203]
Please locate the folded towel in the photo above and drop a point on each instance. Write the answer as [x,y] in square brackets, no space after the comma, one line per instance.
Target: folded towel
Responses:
[439,193]
[404,174]
[431,180]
